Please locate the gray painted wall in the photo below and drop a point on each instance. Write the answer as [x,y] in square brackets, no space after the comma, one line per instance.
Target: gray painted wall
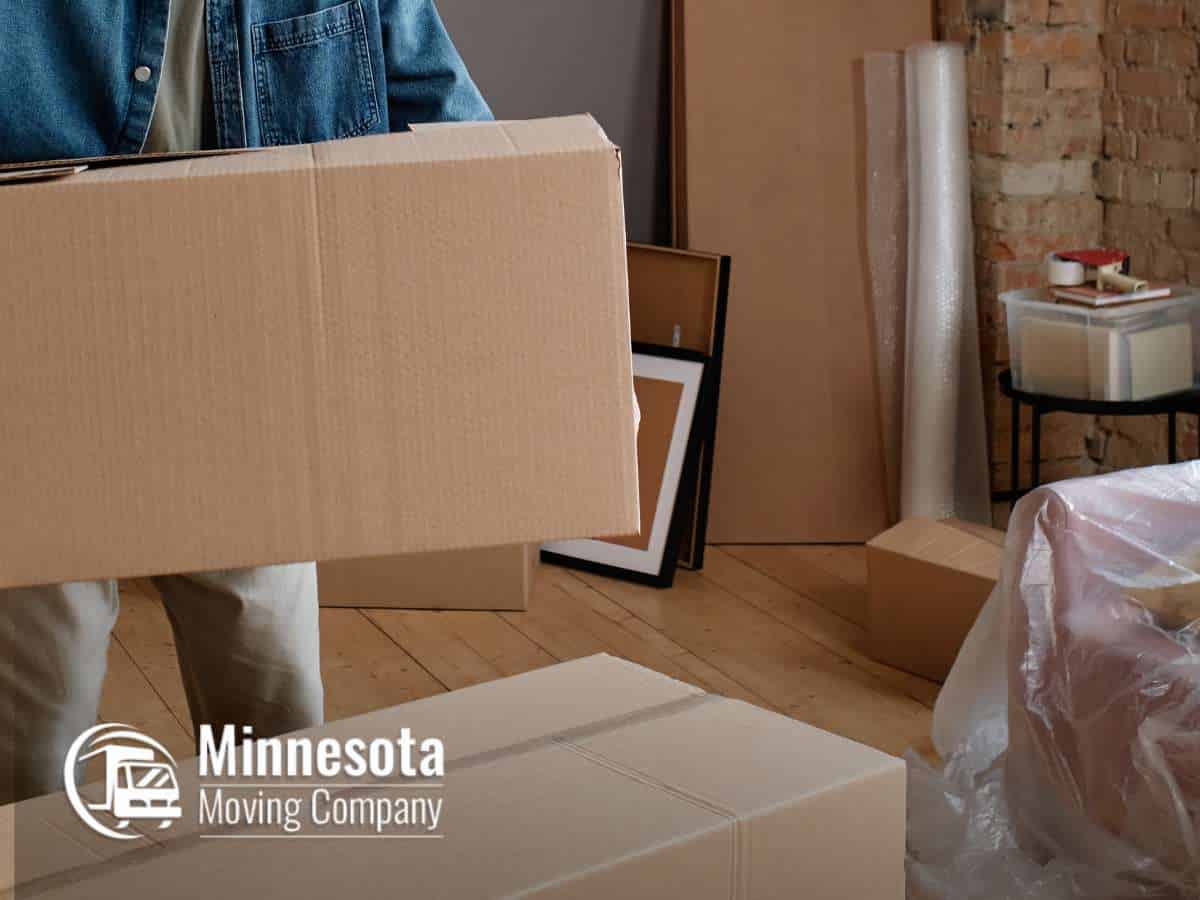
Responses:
[536,58]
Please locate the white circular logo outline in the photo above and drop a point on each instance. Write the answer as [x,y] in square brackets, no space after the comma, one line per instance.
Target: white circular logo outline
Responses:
[109,731]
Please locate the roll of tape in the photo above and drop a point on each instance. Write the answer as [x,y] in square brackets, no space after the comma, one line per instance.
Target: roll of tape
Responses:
[1064,273]
[1126,284]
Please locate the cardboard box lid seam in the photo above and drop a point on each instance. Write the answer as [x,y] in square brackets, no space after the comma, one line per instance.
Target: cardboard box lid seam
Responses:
[887,764]
[315,164]
[634,774]
[910,537]
[960,562]
[568,740]
[149,159]
[930,533]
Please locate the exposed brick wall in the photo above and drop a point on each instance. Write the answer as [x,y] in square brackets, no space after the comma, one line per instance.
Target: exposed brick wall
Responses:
[1085,130]
[1147,176]
[1036,79]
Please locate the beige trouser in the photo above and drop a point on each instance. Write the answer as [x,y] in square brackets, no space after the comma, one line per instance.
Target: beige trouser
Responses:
[247,644]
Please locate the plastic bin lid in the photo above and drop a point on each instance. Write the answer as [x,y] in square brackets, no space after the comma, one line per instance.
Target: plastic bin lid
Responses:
[1037,299]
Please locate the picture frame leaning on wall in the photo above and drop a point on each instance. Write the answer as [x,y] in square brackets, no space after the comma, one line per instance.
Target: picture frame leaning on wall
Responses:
[670,385]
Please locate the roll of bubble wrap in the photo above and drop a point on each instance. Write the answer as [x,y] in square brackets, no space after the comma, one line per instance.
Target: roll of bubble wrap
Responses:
[944,469]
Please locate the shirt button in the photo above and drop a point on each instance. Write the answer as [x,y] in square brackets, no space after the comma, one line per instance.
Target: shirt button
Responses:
[142,73]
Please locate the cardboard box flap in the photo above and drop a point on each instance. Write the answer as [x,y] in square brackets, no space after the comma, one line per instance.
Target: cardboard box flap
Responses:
[498,715]
[572,135]
[567,134]
[504,717]
[95,162]
[43,838]
[39,173]
[177,167]
[538,824]
[556,823]
[993,536]
[473,139]
[767,745]
[470,140]
[946,543]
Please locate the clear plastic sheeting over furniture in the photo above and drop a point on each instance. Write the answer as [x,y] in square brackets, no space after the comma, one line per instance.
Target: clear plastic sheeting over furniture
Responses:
[1070,724]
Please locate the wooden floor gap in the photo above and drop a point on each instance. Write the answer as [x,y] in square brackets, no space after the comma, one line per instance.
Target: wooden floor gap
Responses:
[766,574]
[185,726]
[686,651]
[365,613]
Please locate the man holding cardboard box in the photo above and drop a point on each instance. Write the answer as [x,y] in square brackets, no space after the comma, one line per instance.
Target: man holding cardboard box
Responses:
[131,76]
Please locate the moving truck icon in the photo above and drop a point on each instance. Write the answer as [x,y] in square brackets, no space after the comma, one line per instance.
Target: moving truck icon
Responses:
[139,779]
[137,787]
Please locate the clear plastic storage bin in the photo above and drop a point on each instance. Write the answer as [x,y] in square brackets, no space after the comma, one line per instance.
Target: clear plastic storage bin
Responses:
[1132,352]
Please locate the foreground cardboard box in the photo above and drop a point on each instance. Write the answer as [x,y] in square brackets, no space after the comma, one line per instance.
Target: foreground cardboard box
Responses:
[928,582]
[592,780]
[391,344]
[490,578]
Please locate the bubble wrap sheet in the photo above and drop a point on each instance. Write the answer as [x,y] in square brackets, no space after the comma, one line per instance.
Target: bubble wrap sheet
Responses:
[1070,724]
[944,468]
[887,247]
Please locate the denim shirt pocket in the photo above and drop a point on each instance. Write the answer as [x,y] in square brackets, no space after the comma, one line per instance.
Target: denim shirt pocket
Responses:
[313,76]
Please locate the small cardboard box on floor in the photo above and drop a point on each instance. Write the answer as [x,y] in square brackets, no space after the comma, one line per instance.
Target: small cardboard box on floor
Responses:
[489,578]
[592,780]
[928,582]
[390,344]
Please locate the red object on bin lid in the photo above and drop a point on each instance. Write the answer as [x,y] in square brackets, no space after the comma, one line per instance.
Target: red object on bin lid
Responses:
[1094,258]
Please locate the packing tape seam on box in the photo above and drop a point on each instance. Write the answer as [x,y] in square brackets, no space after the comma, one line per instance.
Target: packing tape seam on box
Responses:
[584,732]
[471,761]
[739,847]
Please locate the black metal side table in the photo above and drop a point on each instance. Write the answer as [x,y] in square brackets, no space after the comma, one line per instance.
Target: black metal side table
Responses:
[1171,405]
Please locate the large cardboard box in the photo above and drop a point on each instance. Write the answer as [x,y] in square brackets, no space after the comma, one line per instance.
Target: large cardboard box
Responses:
[928,582]
[770,149]
[592,780]
[489,578]
[391,344]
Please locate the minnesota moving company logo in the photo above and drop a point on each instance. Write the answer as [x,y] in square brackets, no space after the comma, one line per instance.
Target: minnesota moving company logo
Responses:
[139,781]
[263,788]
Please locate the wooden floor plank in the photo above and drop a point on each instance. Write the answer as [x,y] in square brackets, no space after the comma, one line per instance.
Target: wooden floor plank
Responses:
[813,572]
[129,698]
[776,626]
[831,631]
[506,650]
[364,670]
[847,561]
[792,672]
[464,648]
[571,619]
[145,632]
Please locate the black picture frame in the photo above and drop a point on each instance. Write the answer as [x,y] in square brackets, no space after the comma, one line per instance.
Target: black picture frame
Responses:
[658,567]
[696,533]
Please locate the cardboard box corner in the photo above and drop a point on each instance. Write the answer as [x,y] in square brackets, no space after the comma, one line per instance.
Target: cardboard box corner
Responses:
[927,582]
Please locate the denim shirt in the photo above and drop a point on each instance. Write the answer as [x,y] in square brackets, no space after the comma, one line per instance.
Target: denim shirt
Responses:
[79,79]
